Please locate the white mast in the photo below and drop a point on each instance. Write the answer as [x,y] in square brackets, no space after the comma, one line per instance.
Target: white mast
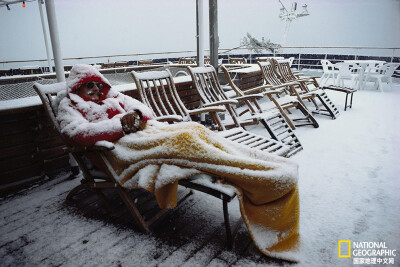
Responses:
[289,16]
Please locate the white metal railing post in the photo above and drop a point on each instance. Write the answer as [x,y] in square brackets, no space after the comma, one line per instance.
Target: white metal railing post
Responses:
[46,43]
[200,33]
[55,41]
[298,63]
[391,60]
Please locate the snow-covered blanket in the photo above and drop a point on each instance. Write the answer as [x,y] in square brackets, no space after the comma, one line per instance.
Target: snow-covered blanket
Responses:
[159,156]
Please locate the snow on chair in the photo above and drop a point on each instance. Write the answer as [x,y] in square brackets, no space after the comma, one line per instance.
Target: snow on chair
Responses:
[158,91]
[309,89]
[384,75]
[211,94]
[350,71]
[285,96]
[329,72]
[96,180]
[93,179]
[167,106]
[240,60]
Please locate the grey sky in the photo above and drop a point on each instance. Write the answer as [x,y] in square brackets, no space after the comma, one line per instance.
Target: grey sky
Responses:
[100,27]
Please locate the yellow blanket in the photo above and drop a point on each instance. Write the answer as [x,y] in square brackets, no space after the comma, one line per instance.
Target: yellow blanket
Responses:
[159,156]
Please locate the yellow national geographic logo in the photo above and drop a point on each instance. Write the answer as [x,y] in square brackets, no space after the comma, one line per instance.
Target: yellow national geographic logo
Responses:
[344,249]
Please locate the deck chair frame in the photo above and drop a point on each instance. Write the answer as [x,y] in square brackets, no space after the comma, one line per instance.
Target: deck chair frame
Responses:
[158,91]
[286,74]
[207,84]
[47,94]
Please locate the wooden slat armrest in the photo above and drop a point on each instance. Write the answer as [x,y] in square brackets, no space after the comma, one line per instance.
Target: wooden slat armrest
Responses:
[99,146]
[270,93]
[234,66]
[222,102]
[249,97]
[291,83]
[102,146]
[170,119]
[281,88]
[207,110]
[257,89]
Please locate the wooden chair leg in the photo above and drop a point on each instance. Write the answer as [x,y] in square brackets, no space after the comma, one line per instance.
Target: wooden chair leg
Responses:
[229,237]
[76,190]
[230,232]
[133,210]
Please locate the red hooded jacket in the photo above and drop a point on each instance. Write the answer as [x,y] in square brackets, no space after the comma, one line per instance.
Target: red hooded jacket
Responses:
[85,122]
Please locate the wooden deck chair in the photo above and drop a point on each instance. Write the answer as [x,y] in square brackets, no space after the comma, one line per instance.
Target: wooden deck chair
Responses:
[186,61]
[157,90]
[277,94]
[274,94]
[93,180]
[96,180]
[120,64]
[307,92]
[167,106]
[108,65]
[206,82]
[145,62]
[240,60]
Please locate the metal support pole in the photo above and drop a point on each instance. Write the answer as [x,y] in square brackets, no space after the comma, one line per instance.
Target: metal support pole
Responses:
[214,39]
[200,32]
[46,43]
[200,43]
[55,42]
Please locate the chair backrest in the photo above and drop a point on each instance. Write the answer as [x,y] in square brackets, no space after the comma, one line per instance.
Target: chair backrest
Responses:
[269,73]
[241,60]
[121,64]
[390,69]
[207,60]
[262,59]
[30,70]
[231,81]
[6,72]
[108,65]
[67,67]
[253,106]
[207,84]
[291,59]
[347,69]
[184,60]
[326,65]
[51,95]
[157,90]
[285,72]
[145,62]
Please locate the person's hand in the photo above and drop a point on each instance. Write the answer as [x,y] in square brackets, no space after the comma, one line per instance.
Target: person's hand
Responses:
[131,122]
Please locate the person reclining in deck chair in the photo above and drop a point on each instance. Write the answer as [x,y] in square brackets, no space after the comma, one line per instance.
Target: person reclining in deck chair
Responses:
[155,156]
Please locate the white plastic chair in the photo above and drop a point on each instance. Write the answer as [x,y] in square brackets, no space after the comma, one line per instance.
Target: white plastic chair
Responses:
[348,71]
[383,75]
[329,72]
[291,59]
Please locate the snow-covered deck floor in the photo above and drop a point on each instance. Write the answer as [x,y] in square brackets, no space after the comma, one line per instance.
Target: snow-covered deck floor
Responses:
[349,190]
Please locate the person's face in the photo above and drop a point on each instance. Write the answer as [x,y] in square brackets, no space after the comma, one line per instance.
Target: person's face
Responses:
[91,90]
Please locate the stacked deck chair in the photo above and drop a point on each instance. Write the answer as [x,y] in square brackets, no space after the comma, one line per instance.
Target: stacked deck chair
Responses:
[309,88]
[158,91]
[211,94]
[278,95]
[96,180]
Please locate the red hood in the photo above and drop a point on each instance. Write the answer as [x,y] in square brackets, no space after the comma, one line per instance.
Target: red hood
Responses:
[81,74]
